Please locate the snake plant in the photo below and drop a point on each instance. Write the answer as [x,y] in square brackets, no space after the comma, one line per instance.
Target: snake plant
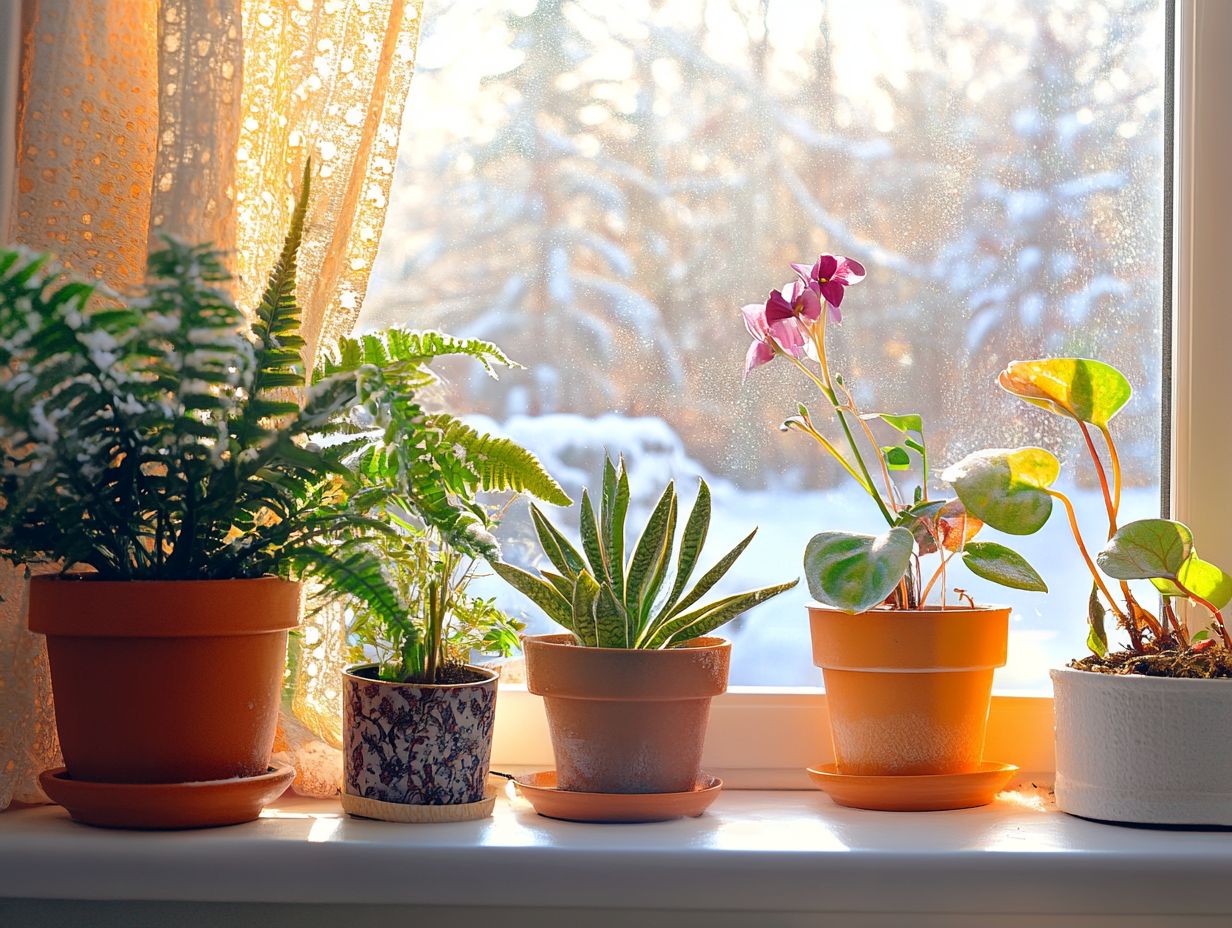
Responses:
[607,601]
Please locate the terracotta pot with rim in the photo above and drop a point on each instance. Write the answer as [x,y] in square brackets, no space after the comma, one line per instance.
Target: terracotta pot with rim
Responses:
[165,682]
[626,720]
[908,691]
[412,750]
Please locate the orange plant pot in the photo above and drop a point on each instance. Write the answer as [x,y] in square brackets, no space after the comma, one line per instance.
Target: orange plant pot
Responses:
[908,691]
[623,720]
[165,681]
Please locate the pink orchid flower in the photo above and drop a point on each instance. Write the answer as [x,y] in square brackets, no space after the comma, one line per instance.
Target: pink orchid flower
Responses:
[796,300]
[830,276]
[772,332]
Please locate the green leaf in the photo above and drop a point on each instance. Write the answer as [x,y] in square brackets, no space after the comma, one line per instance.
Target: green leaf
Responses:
[1002,565]
[559,551]
[1201,578]
[539,592]
[585,593]
[1006,487]
[691,542]
[856,572]
[611,621]
[1200,636]
[1097,637]
[906,423]
[616,531]
[1082,389]
[705,620]
[589,529]
[896,457]
[713,575]
[1147,549]
[648,550]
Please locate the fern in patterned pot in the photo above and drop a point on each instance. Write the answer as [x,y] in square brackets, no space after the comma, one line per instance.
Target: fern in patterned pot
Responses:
[172,459]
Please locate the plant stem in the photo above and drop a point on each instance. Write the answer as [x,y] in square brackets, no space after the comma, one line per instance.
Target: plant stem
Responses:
[1082,548]
[938,573]
[1103,479]
[1116,467]
[1215,613]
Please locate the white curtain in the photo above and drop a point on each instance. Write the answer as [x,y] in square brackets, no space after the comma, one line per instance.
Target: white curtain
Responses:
[195,117]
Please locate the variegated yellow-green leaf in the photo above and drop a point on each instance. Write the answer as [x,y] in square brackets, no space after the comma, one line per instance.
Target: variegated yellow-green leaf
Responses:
[1082,389]
[1200,578]
[1147,549]
[1006,487]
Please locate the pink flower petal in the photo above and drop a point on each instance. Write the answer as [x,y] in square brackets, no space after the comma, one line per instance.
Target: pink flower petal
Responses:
[755,321]
[789,336]
[759,353]
[777,308]
[803,270]
[825,267]
[833,292]
[849,271]
[810,305]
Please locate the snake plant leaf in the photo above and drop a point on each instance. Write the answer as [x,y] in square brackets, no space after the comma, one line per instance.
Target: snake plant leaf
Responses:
[1200,578]
[539,592]
[1002,565]
[855,572]
[706,619]
[556,547]
[589,529]
[1006,488]
[615,531]
[611,622]
[564,586]
[1097,636]
[1147,549]
[1082,389]
[661,566]
[648,549]
[585,594]
[712,576]
[691,542]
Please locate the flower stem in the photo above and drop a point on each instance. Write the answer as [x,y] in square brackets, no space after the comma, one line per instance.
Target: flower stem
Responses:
[1082,548]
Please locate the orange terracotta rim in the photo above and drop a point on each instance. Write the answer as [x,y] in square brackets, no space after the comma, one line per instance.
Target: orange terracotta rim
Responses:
[490,676]
[919,793]
[954,639]
[557,667]
[82,606]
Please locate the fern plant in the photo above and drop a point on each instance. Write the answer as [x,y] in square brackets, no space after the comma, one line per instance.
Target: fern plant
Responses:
[163,436]
[607,601]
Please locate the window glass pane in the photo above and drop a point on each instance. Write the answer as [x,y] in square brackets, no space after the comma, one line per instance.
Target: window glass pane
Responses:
[599,187]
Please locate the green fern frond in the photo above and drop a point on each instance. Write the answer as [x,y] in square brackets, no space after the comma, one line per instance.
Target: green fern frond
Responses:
[499,463]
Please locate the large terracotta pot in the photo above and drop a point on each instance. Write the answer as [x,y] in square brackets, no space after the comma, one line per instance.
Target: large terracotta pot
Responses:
[623,720]
[908,691]
[416,744]
[1150,750]
[165,681]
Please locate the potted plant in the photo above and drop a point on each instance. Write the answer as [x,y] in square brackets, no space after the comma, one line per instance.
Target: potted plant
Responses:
[418,719]
[908,678]
[158,447]
[1143,733]
[627,689]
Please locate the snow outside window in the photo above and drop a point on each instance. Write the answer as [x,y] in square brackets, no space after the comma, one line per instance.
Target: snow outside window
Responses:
[599,187]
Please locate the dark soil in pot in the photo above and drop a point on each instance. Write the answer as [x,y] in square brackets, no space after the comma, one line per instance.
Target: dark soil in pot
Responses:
[1178,663]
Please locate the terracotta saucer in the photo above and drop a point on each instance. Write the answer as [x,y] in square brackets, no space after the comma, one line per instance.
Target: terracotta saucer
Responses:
[166,805]
[932,793]
[540,790]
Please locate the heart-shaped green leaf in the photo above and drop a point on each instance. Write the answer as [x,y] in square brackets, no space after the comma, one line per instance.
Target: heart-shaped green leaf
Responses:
[906,423]
[896,457]
[1086,390]
[1147,549]
[1005,487]
[1002,565]
[1201,578]
[856,572]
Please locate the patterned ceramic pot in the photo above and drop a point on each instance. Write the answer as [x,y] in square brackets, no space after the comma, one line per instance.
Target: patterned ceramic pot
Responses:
[415,744]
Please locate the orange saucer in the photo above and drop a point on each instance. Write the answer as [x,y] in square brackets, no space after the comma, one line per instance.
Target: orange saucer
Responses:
[932,793]
[540,790]
[166,805]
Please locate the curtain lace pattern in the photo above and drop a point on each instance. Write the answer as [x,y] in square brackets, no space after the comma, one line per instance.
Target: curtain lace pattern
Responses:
[194,118]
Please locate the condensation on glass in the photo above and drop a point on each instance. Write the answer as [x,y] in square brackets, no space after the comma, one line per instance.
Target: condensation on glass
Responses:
[599,187]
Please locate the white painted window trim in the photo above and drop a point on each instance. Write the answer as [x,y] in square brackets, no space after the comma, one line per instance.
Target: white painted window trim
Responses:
[764,738]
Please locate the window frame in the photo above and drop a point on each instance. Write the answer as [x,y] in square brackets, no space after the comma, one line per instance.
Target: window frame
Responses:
[765,737]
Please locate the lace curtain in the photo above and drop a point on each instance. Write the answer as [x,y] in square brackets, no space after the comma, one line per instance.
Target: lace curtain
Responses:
[194,117]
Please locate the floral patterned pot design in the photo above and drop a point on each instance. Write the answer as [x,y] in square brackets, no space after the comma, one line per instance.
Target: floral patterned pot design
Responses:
[417,744]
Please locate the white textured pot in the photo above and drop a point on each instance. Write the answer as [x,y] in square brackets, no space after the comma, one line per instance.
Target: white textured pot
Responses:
[1148,750]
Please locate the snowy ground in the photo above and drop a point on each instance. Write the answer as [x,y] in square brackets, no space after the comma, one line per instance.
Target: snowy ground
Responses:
[771,644]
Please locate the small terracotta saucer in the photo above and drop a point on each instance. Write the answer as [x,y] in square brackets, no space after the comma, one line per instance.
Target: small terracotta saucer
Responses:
[540,790]
[166,805]
[933,793]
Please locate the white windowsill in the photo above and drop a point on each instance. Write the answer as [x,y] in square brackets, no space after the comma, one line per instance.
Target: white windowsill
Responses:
[789,855]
